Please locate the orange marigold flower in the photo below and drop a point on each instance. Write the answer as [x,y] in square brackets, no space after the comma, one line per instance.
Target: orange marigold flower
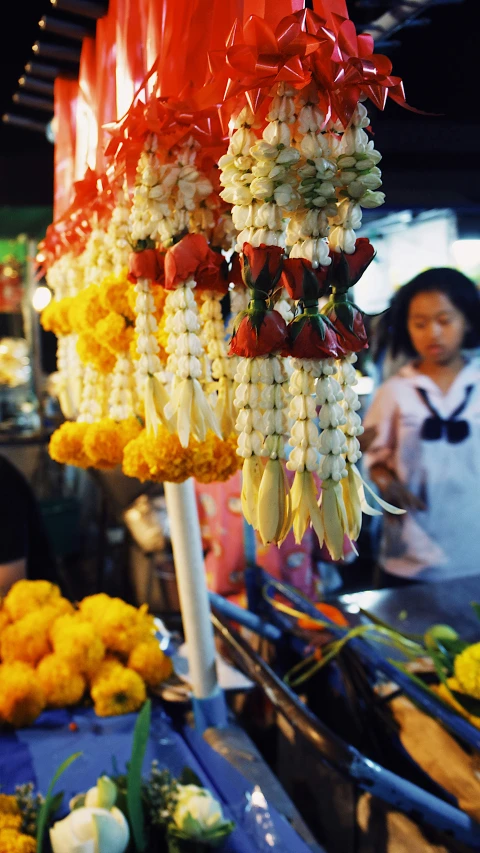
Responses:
[86,309]
[134,462]
[60,682]
[26,596]
[115,333]
[122,626]
[21,697]
[77,641]
[28,639]
[114,295]
[66,445]
[12,841]
[215,459]
[93,352]
[122,691]
[166,458]
[106,439]
[9,804]
[150,662]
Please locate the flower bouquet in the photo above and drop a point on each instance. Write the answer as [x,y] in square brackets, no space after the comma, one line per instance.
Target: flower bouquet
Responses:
[54,654]
[122,812]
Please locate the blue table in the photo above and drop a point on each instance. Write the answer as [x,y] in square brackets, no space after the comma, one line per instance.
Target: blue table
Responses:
[33,754]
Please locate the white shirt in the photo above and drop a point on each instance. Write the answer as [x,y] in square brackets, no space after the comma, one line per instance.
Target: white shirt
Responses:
[442,542]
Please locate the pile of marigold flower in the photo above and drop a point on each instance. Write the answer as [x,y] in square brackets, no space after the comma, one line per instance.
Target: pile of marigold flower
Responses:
[13,837]
[53,654]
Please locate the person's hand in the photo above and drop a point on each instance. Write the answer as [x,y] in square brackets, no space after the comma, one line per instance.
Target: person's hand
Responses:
[393,490]
[367,438]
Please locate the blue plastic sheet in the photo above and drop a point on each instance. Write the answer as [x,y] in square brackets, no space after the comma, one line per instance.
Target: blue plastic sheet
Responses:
[33,754]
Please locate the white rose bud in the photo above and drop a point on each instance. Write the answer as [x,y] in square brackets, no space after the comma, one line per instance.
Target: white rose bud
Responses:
[261,188]
[277,133]
[263,151]
[372,199]
[309,147]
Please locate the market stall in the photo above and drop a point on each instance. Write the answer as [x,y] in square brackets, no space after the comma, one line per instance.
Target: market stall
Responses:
[209,186]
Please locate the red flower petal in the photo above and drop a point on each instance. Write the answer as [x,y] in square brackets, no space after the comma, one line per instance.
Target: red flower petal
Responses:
[257,336]
[148,263]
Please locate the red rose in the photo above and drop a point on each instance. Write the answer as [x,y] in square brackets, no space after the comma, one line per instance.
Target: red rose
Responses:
[351,339]
[308,341]
[301,281]
[210,274]
[261,266]
[348,321]
[259,334]
[148,263]
[192,257]
[345,269]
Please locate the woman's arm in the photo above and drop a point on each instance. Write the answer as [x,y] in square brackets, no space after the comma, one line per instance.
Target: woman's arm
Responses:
[381,452]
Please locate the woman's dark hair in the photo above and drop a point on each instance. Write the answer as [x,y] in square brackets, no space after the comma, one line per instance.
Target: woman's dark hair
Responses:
[459,289]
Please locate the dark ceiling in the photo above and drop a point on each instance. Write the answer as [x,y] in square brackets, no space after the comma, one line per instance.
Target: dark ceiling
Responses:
[429,161]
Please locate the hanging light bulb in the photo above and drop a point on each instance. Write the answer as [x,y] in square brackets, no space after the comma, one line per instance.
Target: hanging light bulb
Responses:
[41,298]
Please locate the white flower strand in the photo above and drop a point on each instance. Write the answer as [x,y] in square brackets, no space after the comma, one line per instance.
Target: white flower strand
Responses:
[118,233]
[358,179]
[332,444]
[213,334]
[92,406]
[304,437]
[308,227]
[188,404]
[249,425]
[121,399]
[149,384]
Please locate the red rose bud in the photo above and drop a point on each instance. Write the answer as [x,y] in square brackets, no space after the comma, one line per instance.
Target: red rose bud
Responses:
[348,321]
[301,281]
[261,266]
[148,263]
[311,337]
[192,257]
[259,333]
[346,270]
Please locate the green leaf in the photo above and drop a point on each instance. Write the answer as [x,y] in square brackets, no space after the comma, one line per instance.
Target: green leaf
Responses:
[134,777]
[50,801]
[476,608]
[413,638]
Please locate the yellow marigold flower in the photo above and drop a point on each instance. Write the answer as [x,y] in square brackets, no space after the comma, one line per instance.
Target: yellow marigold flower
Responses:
[93,352]
[106,439]
[4,620]
[9,804]
[150,662]
[77,641]
[21,697]
[66,444]
[86,309]
[122,626]
[10,821]
[134,353]
[134,462]
[215,459]
[60,682]
[93,606]
[26,596]
[166,458]
[109,665]
[12,841]
[114,295]
[120,692]
[27,639]
[103,444]
[56,317]
[115,333]
[467,670]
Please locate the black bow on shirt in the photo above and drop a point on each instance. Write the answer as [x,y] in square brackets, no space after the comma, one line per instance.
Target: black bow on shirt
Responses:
[435,428]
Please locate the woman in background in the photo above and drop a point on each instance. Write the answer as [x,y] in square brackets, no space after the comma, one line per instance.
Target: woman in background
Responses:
[425,455]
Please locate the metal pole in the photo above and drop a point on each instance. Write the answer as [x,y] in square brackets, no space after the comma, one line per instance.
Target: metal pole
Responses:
[208,700]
